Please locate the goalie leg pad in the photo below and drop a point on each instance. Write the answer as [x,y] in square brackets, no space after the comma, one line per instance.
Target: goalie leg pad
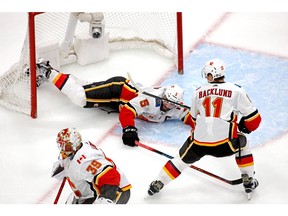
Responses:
[109,191]
[123,197]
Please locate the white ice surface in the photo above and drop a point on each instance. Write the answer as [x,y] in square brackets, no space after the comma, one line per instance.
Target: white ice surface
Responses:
[28,149]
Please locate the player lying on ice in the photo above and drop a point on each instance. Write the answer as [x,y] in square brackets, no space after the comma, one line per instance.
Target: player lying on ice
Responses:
[117,94]
[215,108]
[107,95]
[153,110]
[93,177]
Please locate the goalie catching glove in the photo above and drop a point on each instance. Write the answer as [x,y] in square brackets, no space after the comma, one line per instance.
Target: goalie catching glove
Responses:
[130,136]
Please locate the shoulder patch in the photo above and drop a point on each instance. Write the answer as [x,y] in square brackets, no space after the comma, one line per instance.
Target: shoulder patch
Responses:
[158,102]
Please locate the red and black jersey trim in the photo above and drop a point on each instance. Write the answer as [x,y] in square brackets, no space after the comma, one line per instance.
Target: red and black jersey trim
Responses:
[60,80]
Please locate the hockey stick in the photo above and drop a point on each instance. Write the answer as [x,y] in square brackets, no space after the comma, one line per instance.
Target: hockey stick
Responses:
[60,190]
[231,182]
[151,95]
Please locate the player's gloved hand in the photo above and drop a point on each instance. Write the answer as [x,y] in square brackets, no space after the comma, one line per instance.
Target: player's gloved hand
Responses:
[130,136]
[242,127]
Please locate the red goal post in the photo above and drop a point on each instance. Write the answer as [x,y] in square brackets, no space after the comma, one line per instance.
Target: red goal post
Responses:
[159,31]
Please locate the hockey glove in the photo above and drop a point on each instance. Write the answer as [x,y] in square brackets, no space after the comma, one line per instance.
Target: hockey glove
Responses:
[130,136]
[242,127]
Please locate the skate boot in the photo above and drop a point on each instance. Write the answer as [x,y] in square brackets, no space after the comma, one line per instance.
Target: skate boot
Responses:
[155,187]
[43,71]
[249,184]
[39,80]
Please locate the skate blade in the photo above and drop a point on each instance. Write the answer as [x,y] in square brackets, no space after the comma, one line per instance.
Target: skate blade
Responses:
[249,195]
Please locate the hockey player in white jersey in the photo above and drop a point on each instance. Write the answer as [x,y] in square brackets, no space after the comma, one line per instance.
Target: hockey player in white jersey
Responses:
[113,95]
[93,177]
[215,109]
[153,110]
[107,95]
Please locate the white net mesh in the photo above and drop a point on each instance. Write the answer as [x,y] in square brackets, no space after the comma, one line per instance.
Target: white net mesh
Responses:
[15,87]
[156,31]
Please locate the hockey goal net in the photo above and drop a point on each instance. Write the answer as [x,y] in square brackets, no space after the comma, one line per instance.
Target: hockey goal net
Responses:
[53,35]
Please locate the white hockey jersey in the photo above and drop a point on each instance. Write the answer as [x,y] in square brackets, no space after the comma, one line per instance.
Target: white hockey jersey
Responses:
[80,170]
[149,108]
[215,107]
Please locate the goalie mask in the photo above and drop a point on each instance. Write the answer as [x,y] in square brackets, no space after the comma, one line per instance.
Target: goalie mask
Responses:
[215,67]
[68,140]
[175,94]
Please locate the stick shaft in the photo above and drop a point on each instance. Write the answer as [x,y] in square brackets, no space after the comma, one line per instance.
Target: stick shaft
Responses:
[231,182]
[60,190]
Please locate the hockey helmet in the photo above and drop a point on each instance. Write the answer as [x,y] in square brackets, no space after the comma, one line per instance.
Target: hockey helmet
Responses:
[68,140]
[174,93]
[215,67]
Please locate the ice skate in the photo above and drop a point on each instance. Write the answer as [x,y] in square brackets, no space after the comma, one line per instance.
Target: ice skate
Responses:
[249,184]
[155,187]
[43,71]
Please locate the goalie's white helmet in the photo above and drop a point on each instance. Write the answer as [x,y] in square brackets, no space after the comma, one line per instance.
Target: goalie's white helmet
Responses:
[68,140]
[174,93]
[215,67]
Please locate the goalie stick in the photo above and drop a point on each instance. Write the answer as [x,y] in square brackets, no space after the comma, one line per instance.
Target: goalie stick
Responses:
[231,182]
[154,96]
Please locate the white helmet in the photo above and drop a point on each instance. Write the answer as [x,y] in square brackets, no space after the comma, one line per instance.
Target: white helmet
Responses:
[174,93]
[215,67]
[68,140]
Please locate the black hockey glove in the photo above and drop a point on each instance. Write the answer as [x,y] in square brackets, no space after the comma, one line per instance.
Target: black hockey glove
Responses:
[242,128]
[130,136]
